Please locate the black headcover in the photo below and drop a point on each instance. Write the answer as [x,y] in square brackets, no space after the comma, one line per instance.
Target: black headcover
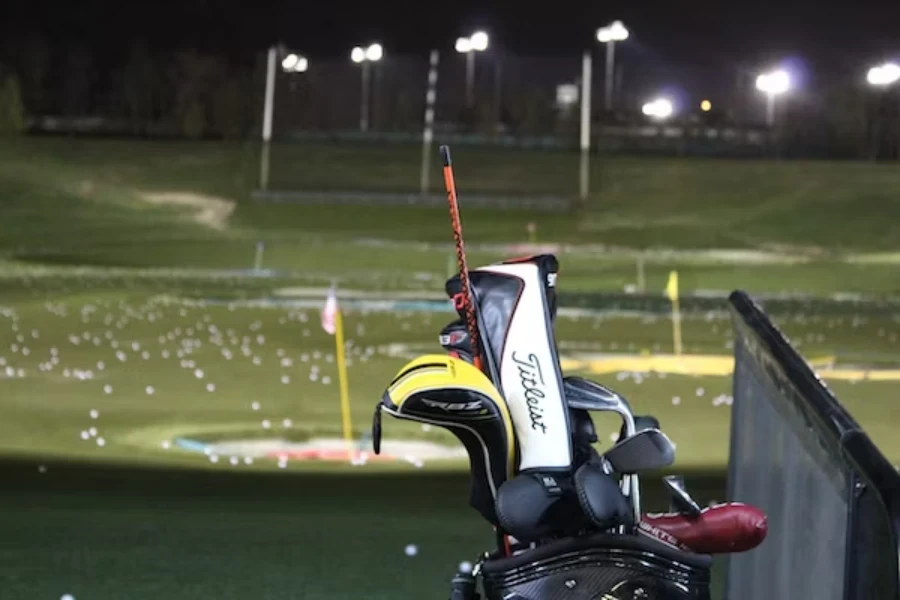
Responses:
[532,507]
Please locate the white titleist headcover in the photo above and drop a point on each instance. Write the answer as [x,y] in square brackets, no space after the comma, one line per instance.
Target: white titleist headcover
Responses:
[515,303]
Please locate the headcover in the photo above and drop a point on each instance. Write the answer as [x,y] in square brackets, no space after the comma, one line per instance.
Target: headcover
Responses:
[515,306]
[454,394]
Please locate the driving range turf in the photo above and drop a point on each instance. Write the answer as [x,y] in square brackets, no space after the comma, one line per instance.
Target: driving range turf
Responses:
[132,518]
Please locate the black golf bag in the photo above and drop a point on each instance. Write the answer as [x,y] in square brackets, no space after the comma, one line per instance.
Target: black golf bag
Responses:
[598,567]
[567,519]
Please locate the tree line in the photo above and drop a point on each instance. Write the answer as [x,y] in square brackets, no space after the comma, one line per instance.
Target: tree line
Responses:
[184,91]
[192,94]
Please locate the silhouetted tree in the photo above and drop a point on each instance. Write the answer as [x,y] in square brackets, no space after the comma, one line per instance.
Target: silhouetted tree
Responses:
[193,77]
[139,86]
[34,68]
[12,112]
[77,78]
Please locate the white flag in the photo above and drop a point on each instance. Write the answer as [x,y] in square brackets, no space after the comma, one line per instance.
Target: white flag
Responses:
[329,312]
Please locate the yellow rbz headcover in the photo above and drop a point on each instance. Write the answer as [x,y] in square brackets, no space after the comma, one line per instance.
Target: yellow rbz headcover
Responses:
[451,393]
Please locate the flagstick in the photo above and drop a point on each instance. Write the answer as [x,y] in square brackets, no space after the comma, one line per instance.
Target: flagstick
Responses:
[672,293]
[676,326]
[342,379]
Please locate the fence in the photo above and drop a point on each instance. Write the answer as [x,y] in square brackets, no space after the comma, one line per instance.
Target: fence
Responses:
[832,498]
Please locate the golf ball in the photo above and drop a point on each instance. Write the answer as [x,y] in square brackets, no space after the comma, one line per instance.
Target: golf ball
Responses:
[411,550]
[465,567]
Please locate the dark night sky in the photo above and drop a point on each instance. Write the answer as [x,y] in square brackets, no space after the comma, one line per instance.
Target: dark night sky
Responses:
[703,40]
[704,31]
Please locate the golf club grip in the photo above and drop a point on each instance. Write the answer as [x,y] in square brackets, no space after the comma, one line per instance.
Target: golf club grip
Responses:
[471,322]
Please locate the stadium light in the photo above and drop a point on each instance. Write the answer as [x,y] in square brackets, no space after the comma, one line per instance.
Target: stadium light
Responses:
[374,53]
[609,35]
[660,108]
[614,32]
[706,106]
[773,84]
[477,42]
[294,63]
[363,57]
[884,75]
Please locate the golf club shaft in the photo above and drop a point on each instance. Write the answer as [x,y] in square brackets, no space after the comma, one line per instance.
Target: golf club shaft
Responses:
[468,300]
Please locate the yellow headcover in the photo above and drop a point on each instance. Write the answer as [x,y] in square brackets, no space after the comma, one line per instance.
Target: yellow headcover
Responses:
[452,393]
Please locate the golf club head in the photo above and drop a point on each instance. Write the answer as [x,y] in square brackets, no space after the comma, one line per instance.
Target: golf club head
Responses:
[681,501]
[451,393]
[588,395]
[601,498]
[644,451]
[641,422]
[454,338]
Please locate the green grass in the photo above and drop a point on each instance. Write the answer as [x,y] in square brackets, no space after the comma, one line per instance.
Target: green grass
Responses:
[636,202]
[223,341]
[78,202]
[169,523]
[132,517]
[102,533]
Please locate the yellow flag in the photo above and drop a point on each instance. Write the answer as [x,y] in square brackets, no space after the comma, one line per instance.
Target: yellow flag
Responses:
[672,286]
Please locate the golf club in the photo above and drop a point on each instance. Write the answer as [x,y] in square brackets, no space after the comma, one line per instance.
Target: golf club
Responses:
[644,451]
[681,501]
[588,395]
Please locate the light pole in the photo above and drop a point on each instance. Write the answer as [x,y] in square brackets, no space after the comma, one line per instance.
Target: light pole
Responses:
[477,42]
[609,35]
[773,84]
[290,63]
[363,57]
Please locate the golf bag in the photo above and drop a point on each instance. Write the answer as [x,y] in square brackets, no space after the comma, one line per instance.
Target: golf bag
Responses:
[595,567]
[567,518]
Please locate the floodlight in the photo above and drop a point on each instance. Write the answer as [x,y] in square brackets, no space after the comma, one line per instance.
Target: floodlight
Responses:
[774,83]
[884,75]
[661,108]
[289,62]
[479,41]
[374,52]
[614,32]
[357,55]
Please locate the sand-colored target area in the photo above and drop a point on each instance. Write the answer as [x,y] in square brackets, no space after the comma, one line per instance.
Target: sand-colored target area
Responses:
[709,365]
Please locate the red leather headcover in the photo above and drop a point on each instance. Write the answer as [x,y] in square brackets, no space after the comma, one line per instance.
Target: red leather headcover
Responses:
[722,528]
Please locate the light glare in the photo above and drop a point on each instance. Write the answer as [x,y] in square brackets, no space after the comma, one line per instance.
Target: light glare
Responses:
[357,55]
[614,32]
[884,75]
[661,108]
[774,83]
[289,62]
[463,45]
[374,52]
[479,41]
